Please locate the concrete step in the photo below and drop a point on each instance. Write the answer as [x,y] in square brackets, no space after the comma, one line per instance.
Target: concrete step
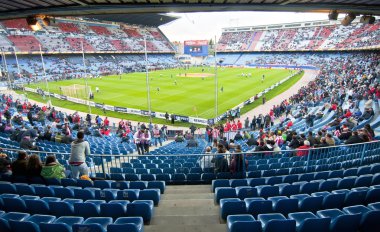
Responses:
[186,196]
[186,228]
[185,220]
[208,209]
[194,203]
[204,187]
[186,190]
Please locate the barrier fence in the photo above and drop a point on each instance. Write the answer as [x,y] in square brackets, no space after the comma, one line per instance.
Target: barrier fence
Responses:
[252,164]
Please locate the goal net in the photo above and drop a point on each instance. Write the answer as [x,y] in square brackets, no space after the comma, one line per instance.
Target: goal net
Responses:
[77,91]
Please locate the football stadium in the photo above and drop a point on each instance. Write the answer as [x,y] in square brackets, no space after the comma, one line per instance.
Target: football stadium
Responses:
[134,116]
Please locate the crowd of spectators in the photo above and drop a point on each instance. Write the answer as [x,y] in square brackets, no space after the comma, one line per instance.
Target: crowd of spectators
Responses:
[356,35]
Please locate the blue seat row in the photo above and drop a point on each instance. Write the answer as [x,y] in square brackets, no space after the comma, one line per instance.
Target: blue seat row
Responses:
[101,184]
[155,170]
[286,189]
[350,219]
[299,202]
[85,193]
[21,222]
[363,179]
[78,207]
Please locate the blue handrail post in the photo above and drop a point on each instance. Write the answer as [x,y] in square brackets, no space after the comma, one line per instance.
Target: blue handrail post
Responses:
[363,153]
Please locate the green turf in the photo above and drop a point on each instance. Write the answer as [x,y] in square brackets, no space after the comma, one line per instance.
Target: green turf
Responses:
[69,105]
[189,94]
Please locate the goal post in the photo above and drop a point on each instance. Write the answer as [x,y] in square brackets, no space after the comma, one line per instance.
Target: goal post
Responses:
[76,90]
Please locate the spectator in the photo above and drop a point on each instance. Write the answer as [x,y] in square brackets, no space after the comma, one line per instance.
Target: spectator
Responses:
[220,161]
[205,161]
[238,136]
[355,138]
[19,166]
[330,140]
[304,150]
[5,164]
[27,144]
[79,150]
[237,161]
[34,166]
[52,169]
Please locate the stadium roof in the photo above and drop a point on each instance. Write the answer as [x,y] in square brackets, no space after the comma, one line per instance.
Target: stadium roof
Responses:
[146,19]
[22,8]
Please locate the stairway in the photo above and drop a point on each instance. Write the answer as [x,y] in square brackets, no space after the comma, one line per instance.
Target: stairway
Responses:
[186,208]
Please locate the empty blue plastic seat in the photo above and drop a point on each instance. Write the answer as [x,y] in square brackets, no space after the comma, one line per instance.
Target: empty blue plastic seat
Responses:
[238,183]
[350,172]
[150,194]
[61,208]
[113,209]
[95,224]
[243,223]
[370,221]
[308,203]
[138,185]
[364,180]
[37,207]
[256,182]
[62,224]
[84,194]
[333,201]
[231,206]
[86,209]
[224,192]
[274,180]
[68,182]
[157,185]
[373,195]
[308,222]
[24,189]
[220,183]
[102,184]
[128,194]
[142,209]
[258,205]
[14,204]
[44,191]
[276,222]
[120,185]
[131,177]
[246,192]
[163,177]
[106,194]
[31,223]
[328,185]
[4,220]
[284,205]
[7,188]
[309,187]
[267,191]
[340,221]
[193,178]
[374,206]
[130,224]
[355,197]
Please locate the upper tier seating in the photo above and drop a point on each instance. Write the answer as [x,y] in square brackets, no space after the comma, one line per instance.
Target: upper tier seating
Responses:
[100,30]
[25,43]
[20,24]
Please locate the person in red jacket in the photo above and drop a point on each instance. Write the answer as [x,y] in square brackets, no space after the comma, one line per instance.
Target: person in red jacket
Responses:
[304,150]
[106,122]
[239,125]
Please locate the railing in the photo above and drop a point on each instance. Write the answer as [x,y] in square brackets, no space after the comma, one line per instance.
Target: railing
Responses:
[313,159]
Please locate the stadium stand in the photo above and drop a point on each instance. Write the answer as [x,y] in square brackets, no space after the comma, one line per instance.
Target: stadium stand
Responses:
[279,182]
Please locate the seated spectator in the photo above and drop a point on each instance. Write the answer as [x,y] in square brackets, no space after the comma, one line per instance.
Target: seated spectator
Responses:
[58,137]
[237,161]
[19,166]
[368,113]
[5,164]
[205,161]
[294,143]
[322,143]
[351,123]
[27,144]
[355,138]
[370,131]
[52,169]
[368,103]
[304,149]
[34,166]
[192,143]
[48,134]
[238,136]
[346,133]
[220,161]
[67,139]
[179,138]
[330,140]
[231,145]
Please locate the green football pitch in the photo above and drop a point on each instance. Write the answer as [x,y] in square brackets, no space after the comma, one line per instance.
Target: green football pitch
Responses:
[188,92]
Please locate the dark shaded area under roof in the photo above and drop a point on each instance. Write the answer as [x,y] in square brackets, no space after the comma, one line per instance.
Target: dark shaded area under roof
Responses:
[153,20]
[22,8]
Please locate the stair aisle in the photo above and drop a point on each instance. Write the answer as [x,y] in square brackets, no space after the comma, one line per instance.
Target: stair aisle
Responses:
[186,208]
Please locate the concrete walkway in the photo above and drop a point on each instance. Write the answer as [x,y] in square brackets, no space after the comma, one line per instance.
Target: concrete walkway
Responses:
[186,208]
[264,109]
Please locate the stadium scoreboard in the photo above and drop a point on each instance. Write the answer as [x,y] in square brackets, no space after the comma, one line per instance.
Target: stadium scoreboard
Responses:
[196,47]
